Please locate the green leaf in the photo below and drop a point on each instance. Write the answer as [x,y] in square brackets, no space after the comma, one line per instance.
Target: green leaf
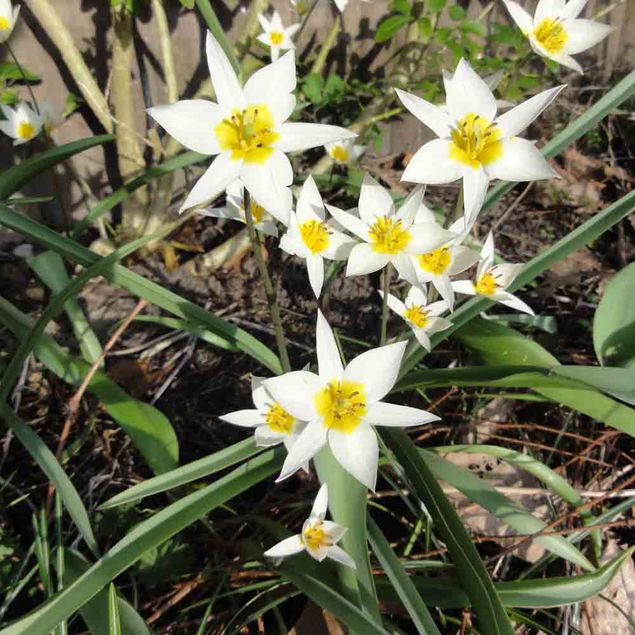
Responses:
[614,321]
[545,323]
[49,266]
[389,27]
[408,594]
[491,616]
[506,510]
[401,6]
[172,302]
[313,86]
[217,30]
[456,12]
[12,179]
[114,625]
[148,427]
[436,6]
[11,71]
[188,4]
[187,473]
[146,535]
[53,470]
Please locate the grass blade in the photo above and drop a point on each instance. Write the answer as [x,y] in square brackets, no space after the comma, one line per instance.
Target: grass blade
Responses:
[218,32]
[114,624]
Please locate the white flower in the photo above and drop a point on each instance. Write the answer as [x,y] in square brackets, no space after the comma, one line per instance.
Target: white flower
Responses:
[492,280]
[8,18]
[474,143]
[311,237]
[235,210]
[343,404]
[388,235]
[272,423]
[344,152]
[422,318]
[319,537]
[21,124]
[51,118]
[247,129]
[276,35]
[555,30]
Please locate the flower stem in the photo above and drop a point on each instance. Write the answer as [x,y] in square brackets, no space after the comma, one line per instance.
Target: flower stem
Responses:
[24,77]
[270,291]
[385,285]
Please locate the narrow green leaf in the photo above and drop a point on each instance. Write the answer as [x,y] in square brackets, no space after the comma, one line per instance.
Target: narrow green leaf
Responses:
[146,535]
[114,625]
[389,27]
[53,470]
[408,594]
[187,473]
[490,613]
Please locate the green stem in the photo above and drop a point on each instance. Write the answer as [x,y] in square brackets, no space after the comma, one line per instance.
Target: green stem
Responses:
[270,291]
[385,286]
[24,77]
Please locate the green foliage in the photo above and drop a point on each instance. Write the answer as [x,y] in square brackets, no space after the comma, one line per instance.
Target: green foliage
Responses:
[389,27]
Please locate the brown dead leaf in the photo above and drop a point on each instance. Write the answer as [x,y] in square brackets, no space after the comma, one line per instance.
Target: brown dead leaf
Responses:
[134,375]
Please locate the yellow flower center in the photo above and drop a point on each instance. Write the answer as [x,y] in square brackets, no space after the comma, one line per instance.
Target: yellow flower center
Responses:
[315,537]
[341,404]
[551,35]
[388,236]
[315,235]
[435,262]
[257,212]
[476,141]
[4,23]
[276,38]
[279,420]
[25,130]
[248,133]
[417,316]
[340,154]
[486,284]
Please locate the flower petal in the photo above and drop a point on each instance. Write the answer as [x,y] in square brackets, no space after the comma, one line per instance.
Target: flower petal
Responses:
[374,200]
[309,443]
[548,9]
[315,269]
[573,8]
[410,209]
[286,547]
[520,16]
[339,246]
[353,223]
[427,237]
[475,183]
[229,93]
[328,355]
[295,391]
[518,118]
[265,437]
[357,452]
[321,503]
[428,114]
[468,93]
[462,258]
[437,324]
[432,164]
[364,259]
[302,136]
[417,295]
[191,122]
[245,418]
[444,286]
[393,415]
[259,394]
[377,369]
[339,555]
[335,532]
[513,302]
[395,304]
[565,60]
[310,205]
[222,171]
[422,338]
[520,161]
[465,287]
[583,34]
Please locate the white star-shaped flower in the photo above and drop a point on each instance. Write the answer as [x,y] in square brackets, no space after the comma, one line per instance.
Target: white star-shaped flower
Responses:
[556,32]
[235,210]
[311,237]
[247,128]
[342,405]
[492,280]
[475,144]
[318,538]
[8,18]
[276,36]
[21,124]
[344,152]
[389,235]
[421,317]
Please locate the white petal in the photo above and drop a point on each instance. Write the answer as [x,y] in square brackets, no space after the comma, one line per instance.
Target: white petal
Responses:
[310,205]
[295,392]
[432,164]
[335,532]
[357,452]
[417,295]
[437,308]
[409,209]
[273,85]
[267,227]
[302,136]
[432,116]
[259,394]
[427,237]
[548,9]
[464,286]
[583,34]
[286,547]
[321,503]
[353,223]
[565,60]
[462,258]
[395,304]
[422,338]
[437,324]
[521,161]
[328,355]
[267,183]
[191,122]
[487,251]
[315,269]
[264,22]
[229,93]
[229,213]
[339,555]
[475,184]
[8,128]
[393,415]
[573,8]
[515,303]
[363,259]
[339,247]
[505,273]
[245,418]
[222,171]
[469,94]
[377,369]
[518,118]
[374,200]
[265,437]
[309,443]
[405,267]
[444,286]
[520,16]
